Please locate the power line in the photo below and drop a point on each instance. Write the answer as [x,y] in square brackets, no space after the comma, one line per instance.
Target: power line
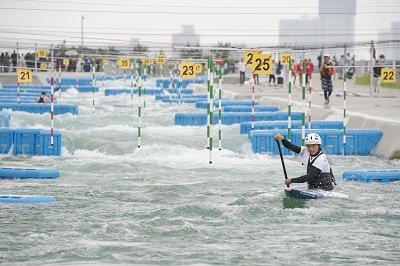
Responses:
[197,13]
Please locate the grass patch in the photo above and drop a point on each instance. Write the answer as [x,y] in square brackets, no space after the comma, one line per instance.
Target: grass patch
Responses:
[364,80]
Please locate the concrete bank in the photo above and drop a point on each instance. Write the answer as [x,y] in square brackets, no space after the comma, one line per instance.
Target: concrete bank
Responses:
[364,111]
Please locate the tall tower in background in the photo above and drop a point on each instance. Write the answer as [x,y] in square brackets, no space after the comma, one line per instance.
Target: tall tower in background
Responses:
[334,26]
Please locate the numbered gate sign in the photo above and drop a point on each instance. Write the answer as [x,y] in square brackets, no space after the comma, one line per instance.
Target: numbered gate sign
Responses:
[123,63]
[41,53]
[249,57]
[43,65]
[24,75]
[286,58]
[187,70]
[262,64]
[65,62]
[198,68]
[147,61]
[105,62]
[388,75]
[160,60]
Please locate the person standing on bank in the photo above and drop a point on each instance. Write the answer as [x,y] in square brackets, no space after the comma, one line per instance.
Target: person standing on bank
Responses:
[377,76]
[43,98]
[326,77]
[242,71]
[319,173]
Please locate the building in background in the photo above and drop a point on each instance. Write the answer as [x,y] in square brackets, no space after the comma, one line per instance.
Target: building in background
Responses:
[389,43]
[187,37]
[334,26]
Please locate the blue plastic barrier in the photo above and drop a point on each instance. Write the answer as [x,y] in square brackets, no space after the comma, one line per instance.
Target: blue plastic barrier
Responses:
[361,141]
[175,82]
[26,199]
[203,104]
[6,140]
[148,91]
[296,124]
[32,142]
[199,96]
[332,140]
[26,142]
[384,176]
[68,81]
[41,108]
[46,148]
[5,119]
[257,108]
[22,173]
[189,119]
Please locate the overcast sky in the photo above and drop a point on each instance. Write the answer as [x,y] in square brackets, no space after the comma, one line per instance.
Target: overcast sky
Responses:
[115,22]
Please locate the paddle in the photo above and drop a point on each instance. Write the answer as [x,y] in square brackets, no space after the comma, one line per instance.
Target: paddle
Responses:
[283,163]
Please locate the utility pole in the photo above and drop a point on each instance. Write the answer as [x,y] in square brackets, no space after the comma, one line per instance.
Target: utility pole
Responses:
[82,30]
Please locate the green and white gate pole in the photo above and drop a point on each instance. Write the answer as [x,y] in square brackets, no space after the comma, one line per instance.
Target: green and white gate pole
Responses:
[303,100]
[210,106]
[131,81]
[180,91]
[124,81]
[93,82]
[344,111]
[221,81]
[144,86]
[290,101]
[140,102]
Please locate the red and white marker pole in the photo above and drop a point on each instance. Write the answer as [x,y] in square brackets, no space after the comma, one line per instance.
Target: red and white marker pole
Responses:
[52,111]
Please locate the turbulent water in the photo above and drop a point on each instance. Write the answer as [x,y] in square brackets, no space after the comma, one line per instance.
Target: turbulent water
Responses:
[163,203]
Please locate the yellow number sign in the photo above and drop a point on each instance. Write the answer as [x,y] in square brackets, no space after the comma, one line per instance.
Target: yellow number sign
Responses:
[43,65]
[123,62]
[249,57]
[286,58]
[160,60]
[388,75]
[187,70]
[105,62]
[147,61]
[262,64]
[66,62]
[24,75]
[42,53]
[198,68]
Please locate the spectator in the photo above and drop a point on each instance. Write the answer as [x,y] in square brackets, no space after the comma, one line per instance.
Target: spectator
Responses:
[377,76]
[293,71]
[272,76]
[7,62]
[342,63]
[309,70]
[2,62]
[242,72]
[14,59]
[326,78]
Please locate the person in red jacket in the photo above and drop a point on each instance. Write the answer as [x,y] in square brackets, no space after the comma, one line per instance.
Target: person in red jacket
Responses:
[309,70]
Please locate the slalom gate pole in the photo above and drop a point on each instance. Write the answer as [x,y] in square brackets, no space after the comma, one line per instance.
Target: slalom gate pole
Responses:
[208,101]
[179,91]
[144,86]
[161,78]
[170,87]
[140,102]
[59,80]
[252,102]
[131,61]
[344,111]
[18,95]
[93,83]
[52,111]
[221,81]
[211,107]
[124,81]
[77,78]
[309,103]
[290,101]
[303,101]
[113,71]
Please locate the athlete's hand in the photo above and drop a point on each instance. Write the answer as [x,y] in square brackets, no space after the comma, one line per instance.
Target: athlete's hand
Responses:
[288,181]
[278,137]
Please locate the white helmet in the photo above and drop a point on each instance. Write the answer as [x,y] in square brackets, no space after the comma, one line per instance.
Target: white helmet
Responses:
[313,138]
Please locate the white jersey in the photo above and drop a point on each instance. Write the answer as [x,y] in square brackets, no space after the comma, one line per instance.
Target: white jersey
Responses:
[321,162]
